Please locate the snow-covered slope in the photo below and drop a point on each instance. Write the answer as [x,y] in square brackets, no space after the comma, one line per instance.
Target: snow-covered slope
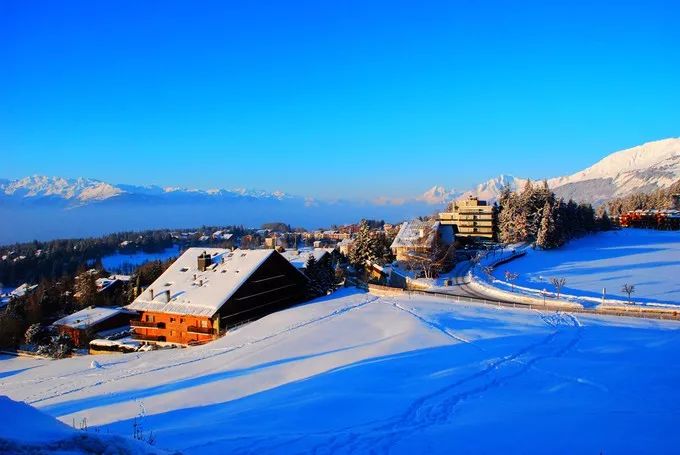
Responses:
[357,373]
[643,168]
[26,430]
[639,169]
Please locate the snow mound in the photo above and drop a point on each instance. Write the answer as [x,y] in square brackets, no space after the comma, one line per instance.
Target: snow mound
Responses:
[32,432]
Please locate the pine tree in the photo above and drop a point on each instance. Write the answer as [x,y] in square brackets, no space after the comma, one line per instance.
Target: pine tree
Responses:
[548,235]
[369,246]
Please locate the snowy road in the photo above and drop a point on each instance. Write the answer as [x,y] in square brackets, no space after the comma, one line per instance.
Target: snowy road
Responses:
[356,373]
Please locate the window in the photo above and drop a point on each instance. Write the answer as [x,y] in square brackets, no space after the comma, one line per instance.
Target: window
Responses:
[150,318]
[204,324]
[172,319]
[181,320]
[172,333]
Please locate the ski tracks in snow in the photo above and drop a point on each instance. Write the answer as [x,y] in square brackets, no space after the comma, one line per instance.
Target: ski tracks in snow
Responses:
[440,406]
[185,357]
[432,324]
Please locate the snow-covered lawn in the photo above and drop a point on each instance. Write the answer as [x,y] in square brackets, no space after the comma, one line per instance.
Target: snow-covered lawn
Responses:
[647,259]
[359,373]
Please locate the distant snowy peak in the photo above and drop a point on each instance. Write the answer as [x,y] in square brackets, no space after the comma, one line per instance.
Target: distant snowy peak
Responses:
[437,195]
[655,160]
[491,189]
[83,190]
[643,168]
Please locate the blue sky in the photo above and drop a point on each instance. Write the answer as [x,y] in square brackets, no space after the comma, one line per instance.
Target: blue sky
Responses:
[331,99]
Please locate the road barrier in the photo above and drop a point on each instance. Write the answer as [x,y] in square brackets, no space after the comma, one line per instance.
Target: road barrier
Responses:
[637,312]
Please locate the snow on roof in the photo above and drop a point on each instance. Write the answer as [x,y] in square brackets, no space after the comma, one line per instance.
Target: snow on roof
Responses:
[120,277]
[89,317]
[299,258]
[196,292]
[416,233]
[22,290]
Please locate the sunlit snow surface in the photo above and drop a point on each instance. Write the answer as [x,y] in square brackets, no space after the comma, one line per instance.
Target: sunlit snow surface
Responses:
[355,373]
[647,259]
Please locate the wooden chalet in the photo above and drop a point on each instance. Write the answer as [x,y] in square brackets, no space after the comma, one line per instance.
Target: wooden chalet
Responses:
[83,325]
[206,291]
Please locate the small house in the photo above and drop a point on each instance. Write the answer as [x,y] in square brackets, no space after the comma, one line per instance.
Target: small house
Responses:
[84,324]
[299,258]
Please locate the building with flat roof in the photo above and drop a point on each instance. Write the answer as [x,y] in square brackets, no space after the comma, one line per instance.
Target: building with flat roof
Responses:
[472,218]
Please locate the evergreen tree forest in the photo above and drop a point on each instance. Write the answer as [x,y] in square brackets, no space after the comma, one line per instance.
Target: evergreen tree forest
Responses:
[659,199]
[534,214]
[34,261]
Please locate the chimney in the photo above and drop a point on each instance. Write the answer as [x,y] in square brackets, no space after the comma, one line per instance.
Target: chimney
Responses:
[204,260]
[200,283]
[164,296]
[150,294]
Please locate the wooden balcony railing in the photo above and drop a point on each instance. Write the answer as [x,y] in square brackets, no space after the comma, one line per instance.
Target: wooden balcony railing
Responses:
[147,325]
[201,330]
[140,336]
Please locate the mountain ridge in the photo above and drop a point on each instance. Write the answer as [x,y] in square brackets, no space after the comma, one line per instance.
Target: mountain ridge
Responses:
[643,168]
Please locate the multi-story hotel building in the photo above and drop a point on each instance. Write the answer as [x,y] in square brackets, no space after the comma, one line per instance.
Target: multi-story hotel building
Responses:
[472,218]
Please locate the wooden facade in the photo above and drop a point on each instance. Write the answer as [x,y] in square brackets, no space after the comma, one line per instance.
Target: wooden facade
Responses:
[274,285]
[175,328]
[81,336]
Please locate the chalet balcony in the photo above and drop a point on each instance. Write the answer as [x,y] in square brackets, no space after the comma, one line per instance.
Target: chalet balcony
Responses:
[147,325]
[139,336]
[200,330]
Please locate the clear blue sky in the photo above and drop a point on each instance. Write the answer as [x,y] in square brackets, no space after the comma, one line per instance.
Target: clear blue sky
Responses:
[331,99]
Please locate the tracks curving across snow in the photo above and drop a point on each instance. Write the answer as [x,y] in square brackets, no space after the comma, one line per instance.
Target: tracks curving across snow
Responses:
[72,383]
[440,406]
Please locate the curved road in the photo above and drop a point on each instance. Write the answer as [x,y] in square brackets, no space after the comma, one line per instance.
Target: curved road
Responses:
[461,287]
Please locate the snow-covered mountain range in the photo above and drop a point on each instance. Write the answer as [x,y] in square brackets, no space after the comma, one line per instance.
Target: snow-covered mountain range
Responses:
[643,168]
[49,207]
[82,191]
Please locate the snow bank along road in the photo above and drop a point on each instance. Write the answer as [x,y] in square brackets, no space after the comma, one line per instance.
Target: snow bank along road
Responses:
[355,373]
[648,259]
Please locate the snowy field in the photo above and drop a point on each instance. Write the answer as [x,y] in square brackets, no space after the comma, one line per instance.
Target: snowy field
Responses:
[357,373]
[647,259]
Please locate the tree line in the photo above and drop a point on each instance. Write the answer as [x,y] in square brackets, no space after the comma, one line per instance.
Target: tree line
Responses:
[53,299]
[34,261]
[535,214]
[659,199]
